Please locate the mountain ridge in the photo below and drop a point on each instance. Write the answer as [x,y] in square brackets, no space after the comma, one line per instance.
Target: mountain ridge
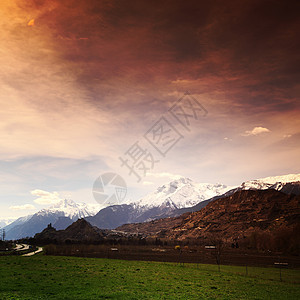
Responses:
[32,224]
[177,194]
[169,200]
[235,216]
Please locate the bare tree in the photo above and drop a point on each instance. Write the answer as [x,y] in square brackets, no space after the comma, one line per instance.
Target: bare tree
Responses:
[216,240]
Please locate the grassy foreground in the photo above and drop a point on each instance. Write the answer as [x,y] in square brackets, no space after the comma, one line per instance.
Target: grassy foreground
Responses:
[50,277]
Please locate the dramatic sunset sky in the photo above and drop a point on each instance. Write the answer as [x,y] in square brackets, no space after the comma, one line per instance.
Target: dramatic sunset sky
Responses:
[82,80]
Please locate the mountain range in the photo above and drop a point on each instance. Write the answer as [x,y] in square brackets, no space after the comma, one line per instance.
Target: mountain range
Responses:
[170,200]
[183,196]
[166,200]
[235,216]
[61,215]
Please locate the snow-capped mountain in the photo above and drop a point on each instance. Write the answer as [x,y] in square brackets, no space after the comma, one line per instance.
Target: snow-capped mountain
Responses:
[71,209]
[167,199]
[182,196]
[60,215]
[172,199]
[287,184]
[275,182]
[181,193]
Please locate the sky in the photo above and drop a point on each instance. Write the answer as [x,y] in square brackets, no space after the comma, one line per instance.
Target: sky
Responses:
[202,89]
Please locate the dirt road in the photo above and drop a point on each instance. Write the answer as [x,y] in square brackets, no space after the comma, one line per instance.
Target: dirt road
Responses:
[40,249]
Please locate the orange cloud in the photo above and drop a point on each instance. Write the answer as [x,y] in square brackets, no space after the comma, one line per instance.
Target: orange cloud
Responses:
[31,22]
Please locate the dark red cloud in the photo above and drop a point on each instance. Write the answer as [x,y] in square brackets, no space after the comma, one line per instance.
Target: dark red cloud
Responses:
[247,50]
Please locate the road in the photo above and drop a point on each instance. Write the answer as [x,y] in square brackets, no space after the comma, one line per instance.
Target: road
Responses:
[40,249]
[22,247]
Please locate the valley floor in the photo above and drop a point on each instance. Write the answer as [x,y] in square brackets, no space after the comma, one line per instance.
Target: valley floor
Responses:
[193,254]
[56,277]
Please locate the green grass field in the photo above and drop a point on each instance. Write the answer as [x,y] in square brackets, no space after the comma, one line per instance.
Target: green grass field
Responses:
[50,277]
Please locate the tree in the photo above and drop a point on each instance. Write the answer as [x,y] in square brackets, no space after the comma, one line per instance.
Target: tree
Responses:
[216,240]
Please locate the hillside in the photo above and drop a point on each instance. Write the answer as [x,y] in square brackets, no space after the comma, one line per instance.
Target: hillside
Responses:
[80,230]
[235,216]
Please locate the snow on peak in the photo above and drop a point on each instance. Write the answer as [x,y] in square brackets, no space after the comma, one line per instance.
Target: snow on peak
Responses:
[282,178]
[267,182]
[181,193]
[71,209]
[63,204]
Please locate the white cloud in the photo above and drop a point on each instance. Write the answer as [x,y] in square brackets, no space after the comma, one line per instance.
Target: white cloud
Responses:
[46,197]
[256,131]
[22,207]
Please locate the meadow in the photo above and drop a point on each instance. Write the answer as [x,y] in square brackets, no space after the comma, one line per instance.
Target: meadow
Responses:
[58,277]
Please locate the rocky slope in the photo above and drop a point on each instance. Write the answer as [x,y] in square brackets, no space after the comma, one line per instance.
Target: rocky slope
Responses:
[234,216]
